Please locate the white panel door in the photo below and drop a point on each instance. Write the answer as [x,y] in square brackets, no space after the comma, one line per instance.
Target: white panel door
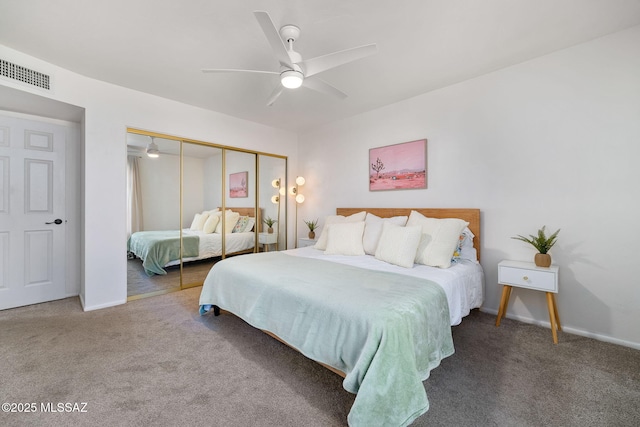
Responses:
[32,212]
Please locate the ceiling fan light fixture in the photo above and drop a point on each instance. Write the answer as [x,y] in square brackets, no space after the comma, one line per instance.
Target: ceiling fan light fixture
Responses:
[152,149]
[291,79]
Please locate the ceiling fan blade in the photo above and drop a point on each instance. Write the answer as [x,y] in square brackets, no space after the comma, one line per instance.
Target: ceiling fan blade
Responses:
[273,37]
[274,95]
[322,63]
[323,87]
[232,70]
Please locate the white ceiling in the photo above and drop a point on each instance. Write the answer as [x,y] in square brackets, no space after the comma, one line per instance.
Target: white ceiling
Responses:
[160,46]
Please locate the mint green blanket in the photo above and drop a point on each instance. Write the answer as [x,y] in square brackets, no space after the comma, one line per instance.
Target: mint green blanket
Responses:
[383,330]
[157,248]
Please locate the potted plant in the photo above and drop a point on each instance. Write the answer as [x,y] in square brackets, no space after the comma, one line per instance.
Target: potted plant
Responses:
[313,226]
[269,222]
[542,243]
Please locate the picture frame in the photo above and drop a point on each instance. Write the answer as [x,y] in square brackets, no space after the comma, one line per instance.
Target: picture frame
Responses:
[399,166]
[239,184]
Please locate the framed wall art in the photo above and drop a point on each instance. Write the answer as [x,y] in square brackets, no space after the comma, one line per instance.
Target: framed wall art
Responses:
[398,167]
[238,184]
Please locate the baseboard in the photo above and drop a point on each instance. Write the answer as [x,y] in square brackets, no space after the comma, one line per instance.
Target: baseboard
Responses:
[568,329]
[98,307]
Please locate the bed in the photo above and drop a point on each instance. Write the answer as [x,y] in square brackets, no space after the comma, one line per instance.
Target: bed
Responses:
[383,327]
[160,249]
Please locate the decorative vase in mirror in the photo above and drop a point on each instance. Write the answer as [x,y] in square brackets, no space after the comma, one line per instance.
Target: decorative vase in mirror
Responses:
[312,235]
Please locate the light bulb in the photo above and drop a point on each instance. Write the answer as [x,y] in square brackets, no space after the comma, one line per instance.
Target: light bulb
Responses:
[291,79]
[299,198]
[275,183]
[300,180]
[152,149]
[275,199]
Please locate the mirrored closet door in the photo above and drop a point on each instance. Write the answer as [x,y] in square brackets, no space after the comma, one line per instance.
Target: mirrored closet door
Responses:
[153,215]
[202,186]
[272,195]
[199,203]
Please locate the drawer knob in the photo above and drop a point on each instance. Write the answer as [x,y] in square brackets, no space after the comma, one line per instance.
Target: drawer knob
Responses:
[525,278]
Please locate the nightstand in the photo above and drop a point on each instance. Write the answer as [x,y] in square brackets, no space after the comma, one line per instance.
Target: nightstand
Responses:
[267,239]
[304,242]
[527,275]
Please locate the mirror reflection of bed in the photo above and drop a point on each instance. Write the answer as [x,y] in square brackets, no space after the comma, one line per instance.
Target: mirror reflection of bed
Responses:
[154,257]
[165,193]
[153,204]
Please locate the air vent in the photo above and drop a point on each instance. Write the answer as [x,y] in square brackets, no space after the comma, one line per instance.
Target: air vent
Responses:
[23,74]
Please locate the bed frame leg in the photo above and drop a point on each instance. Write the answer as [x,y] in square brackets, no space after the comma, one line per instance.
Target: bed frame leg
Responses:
[216,310]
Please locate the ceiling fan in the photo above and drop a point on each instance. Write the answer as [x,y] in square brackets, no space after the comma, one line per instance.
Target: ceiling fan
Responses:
[295,72]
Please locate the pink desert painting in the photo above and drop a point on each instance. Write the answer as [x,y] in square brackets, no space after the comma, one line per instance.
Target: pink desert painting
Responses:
[238,185]
[398,167]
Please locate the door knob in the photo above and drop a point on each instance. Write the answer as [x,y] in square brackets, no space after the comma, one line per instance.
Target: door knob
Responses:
[57,222]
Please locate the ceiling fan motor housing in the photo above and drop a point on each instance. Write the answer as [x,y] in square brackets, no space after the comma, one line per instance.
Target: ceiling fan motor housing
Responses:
[289,33]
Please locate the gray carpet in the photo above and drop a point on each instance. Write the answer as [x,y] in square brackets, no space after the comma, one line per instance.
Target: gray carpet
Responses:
[139,283]
[154,361]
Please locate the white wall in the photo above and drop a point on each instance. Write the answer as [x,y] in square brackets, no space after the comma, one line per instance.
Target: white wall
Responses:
[237,161]
[213,184]
[109,110]
[160,189]
[194,187]
[554,141]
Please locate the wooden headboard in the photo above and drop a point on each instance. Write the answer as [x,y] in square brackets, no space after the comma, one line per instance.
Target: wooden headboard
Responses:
[472,216]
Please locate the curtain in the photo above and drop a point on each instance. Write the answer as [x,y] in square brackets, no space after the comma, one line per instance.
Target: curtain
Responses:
[134,196]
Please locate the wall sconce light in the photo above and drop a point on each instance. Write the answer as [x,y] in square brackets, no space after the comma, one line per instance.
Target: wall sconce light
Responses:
[295,191]
[152,149]
[275,199]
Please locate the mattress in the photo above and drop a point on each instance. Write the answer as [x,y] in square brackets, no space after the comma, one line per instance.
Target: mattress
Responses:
[211,244]
[463,282]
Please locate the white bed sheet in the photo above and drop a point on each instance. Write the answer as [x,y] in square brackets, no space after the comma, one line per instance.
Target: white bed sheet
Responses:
[463,282]
[211,244]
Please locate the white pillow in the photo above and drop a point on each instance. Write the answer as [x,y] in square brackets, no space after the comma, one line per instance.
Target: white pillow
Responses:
[373,230]
[439,239]
[198,222]
[334,219]
[250,223]
[212,211]
[345,238]
[398,245]
[230,219]
[211,224]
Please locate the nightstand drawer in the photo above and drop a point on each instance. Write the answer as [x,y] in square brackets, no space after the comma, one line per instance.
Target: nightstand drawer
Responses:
[524,278]
[304,242]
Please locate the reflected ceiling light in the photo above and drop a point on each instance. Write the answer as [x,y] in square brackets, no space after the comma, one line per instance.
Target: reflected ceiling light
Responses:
[291,79]
[152,149]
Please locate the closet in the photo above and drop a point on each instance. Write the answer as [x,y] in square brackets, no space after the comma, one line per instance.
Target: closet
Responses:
[170,193]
